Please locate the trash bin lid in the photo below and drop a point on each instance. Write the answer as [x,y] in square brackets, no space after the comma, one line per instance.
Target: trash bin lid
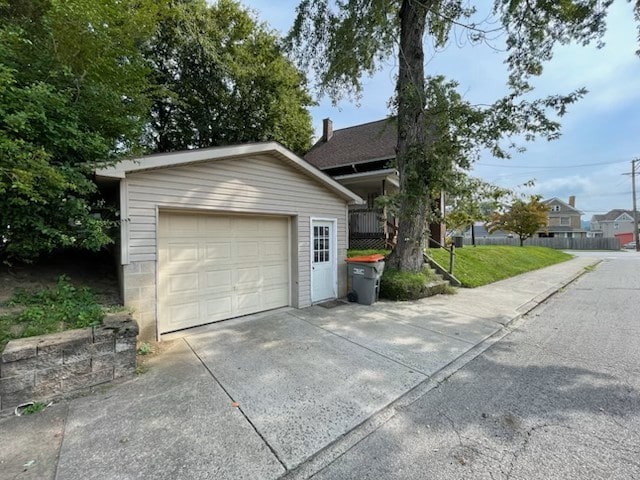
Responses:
[376,257]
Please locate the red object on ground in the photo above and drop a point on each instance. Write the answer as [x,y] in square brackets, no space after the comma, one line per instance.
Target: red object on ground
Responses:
[376,257]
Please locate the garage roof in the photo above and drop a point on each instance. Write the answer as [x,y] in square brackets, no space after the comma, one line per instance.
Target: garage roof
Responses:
[173,159]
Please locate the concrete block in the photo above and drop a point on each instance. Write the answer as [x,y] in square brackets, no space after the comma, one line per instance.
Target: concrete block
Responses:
[16,383]
[101,334]
[147,331]
[48,390]
[124,364]
[148,292]
[100,348]
[48,360]
[19,367]
[13,399]
[72,355]
[143,306]
[87,351]
[88,380]
[124,372]
[102,362]
[57,341]
[125,344]
[121,324]
[148,267]
[131,268]
[63,372]
[131,295]
[140,280]
[20,349]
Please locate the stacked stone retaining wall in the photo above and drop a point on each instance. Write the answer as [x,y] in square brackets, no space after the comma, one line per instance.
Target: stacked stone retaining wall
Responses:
[50,366]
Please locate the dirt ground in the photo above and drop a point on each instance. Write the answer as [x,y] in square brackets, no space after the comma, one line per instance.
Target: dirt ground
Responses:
[94,270]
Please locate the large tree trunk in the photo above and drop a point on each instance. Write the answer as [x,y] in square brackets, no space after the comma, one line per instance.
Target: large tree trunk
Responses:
[414,197]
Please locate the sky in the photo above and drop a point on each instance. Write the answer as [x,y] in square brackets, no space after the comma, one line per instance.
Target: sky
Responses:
[600,134]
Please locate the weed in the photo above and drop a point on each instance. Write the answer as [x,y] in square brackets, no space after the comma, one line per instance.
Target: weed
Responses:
[55,309]
[449,290]
[145,349]
[141,369]
[33,408]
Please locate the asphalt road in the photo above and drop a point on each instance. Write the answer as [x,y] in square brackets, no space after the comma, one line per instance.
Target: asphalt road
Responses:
[559,398]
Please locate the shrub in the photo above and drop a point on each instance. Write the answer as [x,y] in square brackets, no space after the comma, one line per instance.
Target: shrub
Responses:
[397,285]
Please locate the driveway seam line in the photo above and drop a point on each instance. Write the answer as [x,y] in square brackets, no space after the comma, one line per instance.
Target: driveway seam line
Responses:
[64,431]
[239,407]
[362,346]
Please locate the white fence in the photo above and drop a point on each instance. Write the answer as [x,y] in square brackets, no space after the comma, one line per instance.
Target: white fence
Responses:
[599,243]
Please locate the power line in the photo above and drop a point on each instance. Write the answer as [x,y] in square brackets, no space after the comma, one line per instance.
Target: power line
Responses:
[549,167]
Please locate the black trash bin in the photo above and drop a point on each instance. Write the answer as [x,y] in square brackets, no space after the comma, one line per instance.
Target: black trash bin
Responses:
[457,241]
[364,277]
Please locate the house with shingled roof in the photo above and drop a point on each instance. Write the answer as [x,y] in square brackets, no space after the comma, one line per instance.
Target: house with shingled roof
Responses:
[564,219]
[614,222]
[362,158]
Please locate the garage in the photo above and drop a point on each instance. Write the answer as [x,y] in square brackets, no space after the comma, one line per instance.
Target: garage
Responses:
[214,267]
[212,234]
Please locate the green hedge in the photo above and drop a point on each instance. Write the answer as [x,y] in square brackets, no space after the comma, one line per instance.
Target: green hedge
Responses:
[397,285]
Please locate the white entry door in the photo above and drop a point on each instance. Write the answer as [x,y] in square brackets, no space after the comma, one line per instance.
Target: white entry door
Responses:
[323,260]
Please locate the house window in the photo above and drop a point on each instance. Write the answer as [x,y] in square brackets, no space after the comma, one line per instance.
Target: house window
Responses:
[615,226]
[565,221]
[555,208]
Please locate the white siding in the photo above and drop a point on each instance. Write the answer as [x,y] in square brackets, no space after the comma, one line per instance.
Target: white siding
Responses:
[261,184]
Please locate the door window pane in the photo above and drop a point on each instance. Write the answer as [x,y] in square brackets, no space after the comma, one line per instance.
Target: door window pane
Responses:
[321,244]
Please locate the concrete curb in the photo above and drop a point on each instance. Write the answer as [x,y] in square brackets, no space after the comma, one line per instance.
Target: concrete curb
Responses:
[346,442]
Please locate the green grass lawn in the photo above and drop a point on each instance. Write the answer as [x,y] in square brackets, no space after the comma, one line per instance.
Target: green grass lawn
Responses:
[477,266]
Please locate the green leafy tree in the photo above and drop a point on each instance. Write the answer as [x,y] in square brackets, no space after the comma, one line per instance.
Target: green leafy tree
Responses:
[343,41]
[523,218]
[73,91]
[222,79]
[473,200]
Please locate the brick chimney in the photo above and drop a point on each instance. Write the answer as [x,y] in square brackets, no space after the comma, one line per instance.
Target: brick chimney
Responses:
[572,201]
[327,129]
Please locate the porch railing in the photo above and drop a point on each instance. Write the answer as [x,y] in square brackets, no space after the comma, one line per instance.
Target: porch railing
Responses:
[366,221]
[368,228]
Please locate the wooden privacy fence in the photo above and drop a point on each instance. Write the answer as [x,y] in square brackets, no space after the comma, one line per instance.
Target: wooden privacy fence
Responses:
[599,243]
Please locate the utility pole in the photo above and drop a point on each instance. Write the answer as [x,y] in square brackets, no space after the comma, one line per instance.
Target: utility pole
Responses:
[635,210]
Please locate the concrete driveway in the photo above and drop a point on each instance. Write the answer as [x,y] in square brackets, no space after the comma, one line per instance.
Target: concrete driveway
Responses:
[257,397]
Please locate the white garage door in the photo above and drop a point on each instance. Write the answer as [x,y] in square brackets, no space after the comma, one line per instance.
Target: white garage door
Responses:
[214,267]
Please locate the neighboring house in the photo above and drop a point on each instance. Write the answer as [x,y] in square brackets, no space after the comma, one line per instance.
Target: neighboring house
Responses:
[480,231]
[217,233]
[564,219]
[612,223]
[361,158]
